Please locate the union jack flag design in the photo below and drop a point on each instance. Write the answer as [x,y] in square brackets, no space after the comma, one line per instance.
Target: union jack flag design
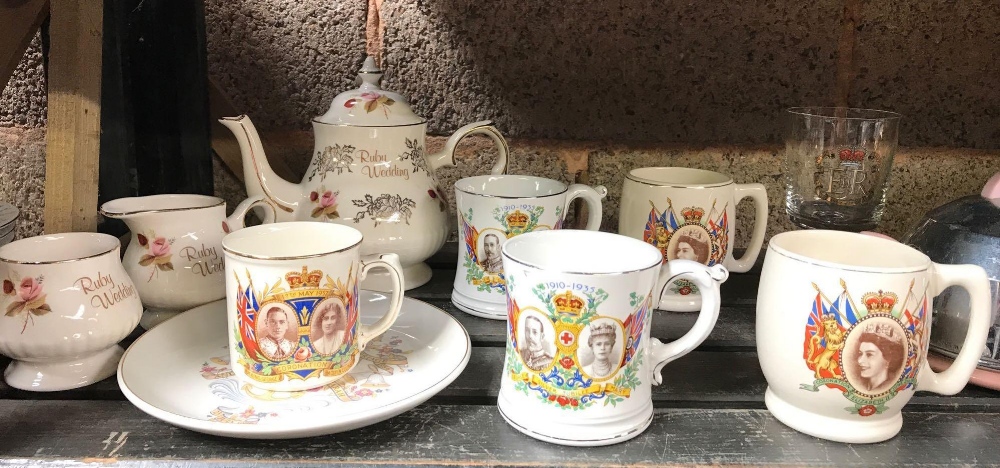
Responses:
[247,306]
[470,234]
[634,325]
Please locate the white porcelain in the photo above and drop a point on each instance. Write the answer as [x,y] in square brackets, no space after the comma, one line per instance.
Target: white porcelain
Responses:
[570,288]
[368,171]
[175,254]
[66,304]
[843,326]
[423,352]
[285,284]
[494,208]
[690,213]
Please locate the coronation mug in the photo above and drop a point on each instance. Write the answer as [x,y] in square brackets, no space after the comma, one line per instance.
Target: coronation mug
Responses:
[580,363]
[843,327]
[292,301]
[494,208]
[690,214]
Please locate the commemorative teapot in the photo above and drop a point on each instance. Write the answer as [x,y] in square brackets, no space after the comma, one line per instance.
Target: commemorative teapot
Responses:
[368,171]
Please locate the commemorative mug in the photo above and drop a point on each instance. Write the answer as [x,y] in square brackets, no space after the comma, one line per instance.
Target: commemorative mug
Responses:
[495,208]
[843,327]
[580,363]
[66,304]
[292,302]
[690,214]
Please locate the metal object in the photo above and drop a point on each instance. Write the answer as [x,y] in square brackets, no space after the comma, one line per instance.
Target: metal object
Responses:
[966,230]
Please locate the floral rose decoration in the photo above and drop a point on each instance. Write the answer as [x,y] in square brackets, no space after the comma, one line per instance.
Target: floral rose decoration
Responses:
[28,296]
[326,203]
[158,253]
[371,102]
[566,362]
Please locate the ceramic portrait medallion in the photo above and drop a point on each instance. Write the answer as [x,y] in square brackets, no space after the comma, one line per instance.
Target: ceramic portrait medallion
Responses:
[689,234]
[869,353]
[571,356]
[481,245]
[299,326]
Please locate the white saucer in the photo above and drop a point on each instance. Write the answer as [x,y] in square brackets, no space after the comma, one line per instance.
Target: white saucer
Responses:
[178,372]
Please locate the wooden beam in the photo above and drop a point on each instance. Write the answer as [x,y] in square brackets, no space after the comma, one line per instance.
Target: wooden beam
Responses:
[19,20]
[74,117]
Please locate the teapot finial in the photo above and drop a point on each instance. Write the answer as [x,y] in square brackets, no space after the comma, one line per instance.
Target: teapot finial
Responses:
[370,73]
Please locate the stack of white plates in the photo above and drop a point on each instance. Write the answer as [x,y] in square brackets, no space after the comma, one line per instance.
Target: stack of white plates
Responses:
[8,221]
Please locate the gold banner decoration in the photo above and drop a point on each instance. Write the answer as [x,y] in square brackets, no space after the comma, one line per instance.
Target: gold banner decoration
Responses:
[491,280]
[607,388]
[325,368]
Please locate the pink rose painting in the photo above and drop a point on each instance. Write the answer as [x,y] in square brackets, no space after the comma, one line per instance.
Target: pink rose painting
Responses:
[371,102]
[28,296]
[158,253]
[326,203]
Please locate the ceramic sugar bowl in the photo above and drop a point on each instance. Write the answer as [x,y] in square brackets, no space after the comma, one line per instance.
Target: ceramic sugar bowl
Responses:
[66,304]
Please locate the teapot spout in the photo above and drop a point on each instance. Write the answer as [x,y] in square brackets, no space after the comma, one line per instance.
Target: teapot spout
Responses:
[258,176]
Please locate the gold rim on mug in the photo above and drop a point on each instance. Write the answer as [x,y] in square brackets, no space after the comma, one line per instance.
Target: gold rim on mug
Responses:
[246,231]
[117,246]
[564,189]
[655,183]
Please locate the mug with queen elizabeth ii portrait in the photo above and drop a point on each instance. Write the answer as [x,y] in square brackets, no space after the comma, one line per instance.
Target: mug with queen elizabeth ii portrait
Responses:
[843,328]
[690,214]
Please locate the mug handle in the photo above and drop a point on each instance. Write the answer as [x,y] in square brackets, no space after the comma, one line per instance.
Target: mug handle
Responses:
[389,262]
[974,280]
[707,279]
[238,218]
[758,193]
[447,155]
[592,196]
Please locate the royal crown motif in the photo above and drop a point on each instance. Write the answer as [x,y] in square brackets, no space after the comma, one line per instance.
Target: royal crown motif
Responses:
[603,329]
[567,303]
[692,215]
[885,330]
[879,302]
[306,279]
[517,220]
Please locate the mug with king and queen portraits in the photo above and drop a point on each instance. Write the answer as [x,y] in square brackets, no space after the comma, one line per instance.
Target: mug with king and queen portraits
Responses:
[580,363]
[293,303]
[690,214]
[843,328]
[494,208]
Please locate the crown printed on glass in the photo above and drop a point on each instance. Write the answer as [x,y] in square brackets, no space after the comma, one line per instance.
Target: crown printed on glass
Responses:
[567,303]
[603,329]
[879,302]
[306,279]
[692,215]
[885,330]
[517,220]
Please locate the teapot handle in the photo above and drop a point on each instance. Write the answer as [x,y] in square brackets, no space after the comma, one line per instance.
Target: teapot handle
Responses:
[447,155]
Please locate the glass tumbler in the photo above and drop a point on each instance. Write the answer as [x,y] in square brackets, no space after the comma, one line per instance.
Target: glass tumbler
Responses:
[837,164]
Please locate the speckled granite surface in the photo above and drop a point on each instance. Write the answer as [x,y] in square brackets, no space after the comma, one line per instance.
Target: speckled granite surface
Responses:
[23,101]
[22,176]
[639,71]
[922,178]
[283,61]
[933,62]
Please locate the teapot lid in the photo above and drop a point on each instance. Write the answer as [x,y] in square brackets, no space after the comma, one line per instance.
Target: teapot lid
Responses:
[369,105]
